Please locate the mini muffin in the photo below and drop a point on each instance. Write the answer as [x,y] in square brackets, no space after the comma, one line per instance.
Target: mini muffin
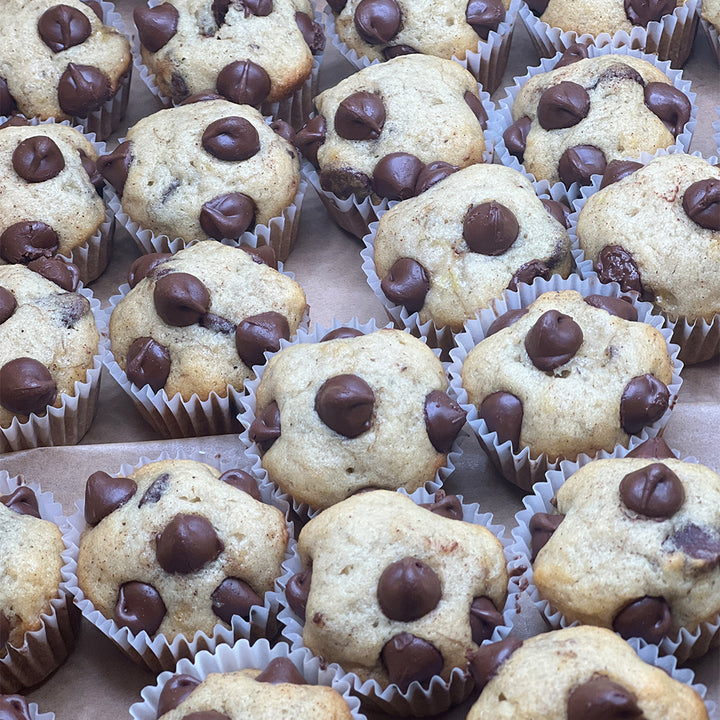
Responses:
[353,412]
[209,169]
[655,231]
[576,674]
[61,61]
[49,201]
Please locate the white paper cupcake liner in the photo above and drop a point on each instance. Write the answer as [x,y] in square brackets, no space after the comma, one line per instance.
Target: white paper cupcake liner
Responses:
[684,645]
[503,118]
[670,38]
[520,468]
[241,656]
[46,648]
[160,653]
[699,340]
[440,694]
[64,425]
[711,33]
[302,510]
[487,62]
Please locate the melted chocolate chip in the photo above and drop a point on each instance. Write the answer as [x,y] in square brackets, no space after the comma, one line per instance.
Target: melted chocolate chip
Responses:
[515,137]
[227,216]
[23,501]
[395,175]
[653,491]
[176,689]
[144,266]
[148,363]
[82,89]
[488,659]
[90,167]
[654,447]
[432,174]
[341,332]
[503,414]
[345,182]
[297,592]
[231,138]
[96,7]
[542,526]
[258,334]
[490,228]
[281,670]
[484,618]
[156,26]
[642,12]
[484,16]
[345,403]
[406,284]
[7,102]
[116,166]
[14,707]
[37,159]
[444,419]
[644,400]
[447,506]
[617,170]
[233,596]
[377,21]
[553,340]
[64,274]
[265,429]
[63,26]
[242,481]
[8,303]
[475,104]
[574,53]
[615,264]
[648,618]
[360,116]
[311,137]
[559,210]
[562,106]
[156,490]
[139,607]
[408,590]
[527,272]
[187,543]
[602,699]
[698,543]
[408,658]
[244,82]
[205,95]
[284,130]
[579,163]
[262,255]
[537,7]
[259,8]
[180,299]
[669,104]
[311,31]
[28,240]
[393,51]
[104,494]
[206,715]
[701,202]
[26,386]
[618,306]
[5,629]
[15,121]
[505,320]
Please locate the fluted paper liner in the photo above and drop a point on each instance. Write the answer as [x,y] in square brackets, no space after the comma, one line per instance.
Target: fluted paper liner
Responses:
[711,33]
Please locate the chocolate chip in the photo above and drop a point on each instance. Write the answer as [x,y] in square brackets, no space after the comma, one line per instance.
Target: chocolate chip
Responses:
[579,163]
[176,689]
[345,403]
[139,607]
[644,400]
[5,628]
[233,596]
[311,31]
[395,175]
[28,240]
[505,320]
[618,306]
[90,167]
[697,543]
[617,170]
[701,202]
[23,501]
[96,7]
[615,264]
[487,660]
[669,104]
[527,272]
[503,414]
[377,21]
[406,284]
[553,340]
[242,481]
[297,592]
[227,216]
[187,543]
[203,96]
[541,527]
[104,493]
[360,116]
[281,670]
[244,82]
[642,12]
[653,491]
[602,699]
[432,174]
[156,490]
[144,266]
[559,210]
[515,137]
[258,334]
[262,255]
[648,618]
[15,121]
[537,7]
[265,428]
[574,53]
[393,51]
[345,182]
[26,386]
[341,332]
[82,89]
[311,137]
[148,363]
[447,506]
[484,618]
[156,26]
[206,715]
[8,304]
[337,5]
[484,16]
[259,8]
[217,324]
[284,130]
[116,166]
[444,419]
[654,447]
[490,228]
[408,658]
[14,707]
[63,26]
[408,590]
[180,299]
[231,138]
[37,159]
[64,274]
[7,102]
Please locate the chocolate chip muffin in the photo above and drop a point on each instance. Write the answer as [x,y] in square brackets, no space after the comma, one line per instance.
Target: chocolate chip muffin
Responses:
[446,253]
[49,201]
[353,412]
[633,546]
[195,323]
[61,61]
[177,547]
[570,122]
[646,220]
[397,592]
[575,674]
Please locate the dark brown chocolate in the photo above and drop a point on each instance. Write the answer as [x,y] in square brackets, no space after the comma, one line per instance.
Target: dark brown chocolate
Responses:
[242,481]
[26,386]
[579,163]
[175,690]
[485,662]
[503,414]
[234,596]
[377,21]
[599,698]
[408,658]
[258,334]
[148,363]
[281,670]
[701,202]
[490,228]
[156,26]
[562,106]
[244,82]
[23,501]
[648,618]
[395,175]
[265,429]
[542,526]
[82,89]
[408,589]
[37,159]
[345,403]
[360,116]
[231,138]
[484,16]
[187,543]
[444,419]
[484,618]
[669,104]
[104,494]
[139,607]
[62,26]
[644,400]
[553,340]
[180,299]
[653,491]
[406,284]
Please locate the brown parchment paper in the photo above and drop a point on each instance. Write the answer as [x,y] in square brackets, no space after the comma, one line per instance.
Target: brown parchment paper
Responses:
[98,682]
